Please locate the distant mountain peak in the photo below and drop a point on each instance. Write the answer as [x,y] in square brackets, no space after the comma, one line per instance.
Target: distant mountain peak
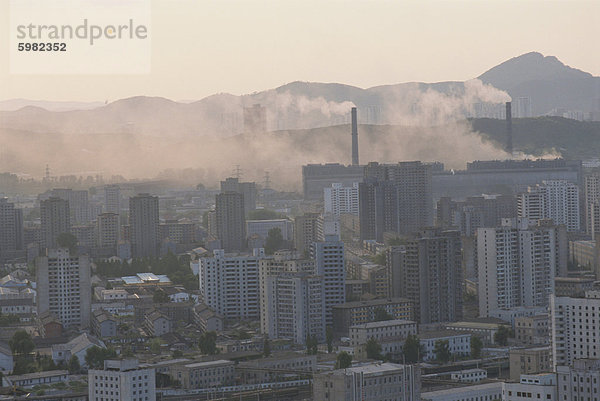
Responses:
[531,66]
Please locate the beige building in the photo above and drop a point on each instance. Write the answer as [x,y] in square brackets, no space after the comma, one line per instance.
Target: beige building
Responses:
[371,382]
[204,374]
[529,361]
[532,330]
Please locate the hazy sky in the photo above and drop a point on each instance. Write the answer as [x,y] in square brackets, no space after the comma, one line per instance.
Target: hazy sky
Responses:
[204,47]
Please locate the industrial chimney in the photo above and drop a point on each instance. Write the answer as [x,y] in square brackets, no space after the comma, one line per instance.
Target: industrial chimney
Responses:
[354,138]
[509,139]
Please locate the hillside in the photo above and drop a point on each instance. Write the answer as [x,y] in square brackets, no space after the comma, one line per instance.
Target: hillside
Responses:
[573,139]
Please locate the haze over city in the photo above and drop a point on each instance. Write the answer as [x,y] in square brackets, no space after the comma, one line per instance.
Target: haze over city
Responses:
[299,201]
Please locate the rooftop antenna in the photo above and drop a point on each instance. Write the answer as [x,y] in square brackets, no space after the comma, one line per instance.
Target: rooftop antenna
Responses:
[237,172]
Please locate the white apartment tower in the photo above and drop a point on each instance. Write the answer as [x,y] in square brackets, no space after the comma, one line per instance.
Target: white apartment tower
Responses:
[64,287]
[291,298]
[553,199]
[517,263]
[575,328]
[229,283]
[341,200]
[122,380]
[328,256]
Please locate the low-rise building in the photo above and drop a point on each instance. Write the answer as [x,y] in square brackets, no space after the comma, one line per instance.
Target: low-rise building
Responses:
[157,324]
[370,382]
[122,380]
[485,331]
[287,364]
[49,326]
[360,312]
[207,319]
[510,315]
[458,343]
[380,331]
[529,361]
[573,286]
[541,386]
[532,330]
[29,380]
[477,392]
[103,324]
[77,346]
[204,374]
[469,375]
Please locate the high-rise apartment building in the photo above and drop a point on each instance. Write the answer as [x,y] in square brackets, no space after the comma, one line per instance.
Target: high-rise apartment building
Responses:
[341,200]
[517,263]
[64,287]
[144,226]
[79,206]
[107,230]
[248,189]
[328,257]
[427,270]
[229,283]
[112,199]
[475,212]
[11,229]
[296,307]
[395,197]
[122,380]
[305,231]
[231,221]
[553,199]
[592,203]
[574,328]
[56,220]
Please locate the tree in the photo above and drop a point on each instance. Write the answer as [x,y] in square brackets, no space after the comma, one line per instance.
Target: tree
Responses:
[160,297]
[380,315]
[312,345]
[476,346]
[412,349]
[343,361]
[74,365]
[208,343]
[274,241]
[21,343]
[441,350]
[501,336]
[177,354]
[266,347]
[380,259]
[155,346]
[373,349]
[329,339]
[67,240]
[95,356]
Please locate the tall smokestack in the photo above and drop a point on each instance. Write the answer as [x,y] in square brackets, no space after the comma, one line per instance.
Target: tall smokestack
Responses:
[354,138]
[509,139]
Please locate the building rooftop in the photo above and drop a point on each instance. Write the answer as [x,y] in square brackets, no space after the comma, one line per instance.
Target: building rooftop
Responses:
[383,323]
[146,278]
[462,389]
[372,368]
[38,375]
[208,364]
[426,335]
[374,302]
[475,325]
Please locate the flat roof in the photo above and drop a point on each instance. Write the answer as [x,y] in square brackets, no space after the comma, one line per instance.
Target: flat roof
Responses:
[474,325]
[374,302]
[440,334]
[383,323]
[208,363]
[463,389]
